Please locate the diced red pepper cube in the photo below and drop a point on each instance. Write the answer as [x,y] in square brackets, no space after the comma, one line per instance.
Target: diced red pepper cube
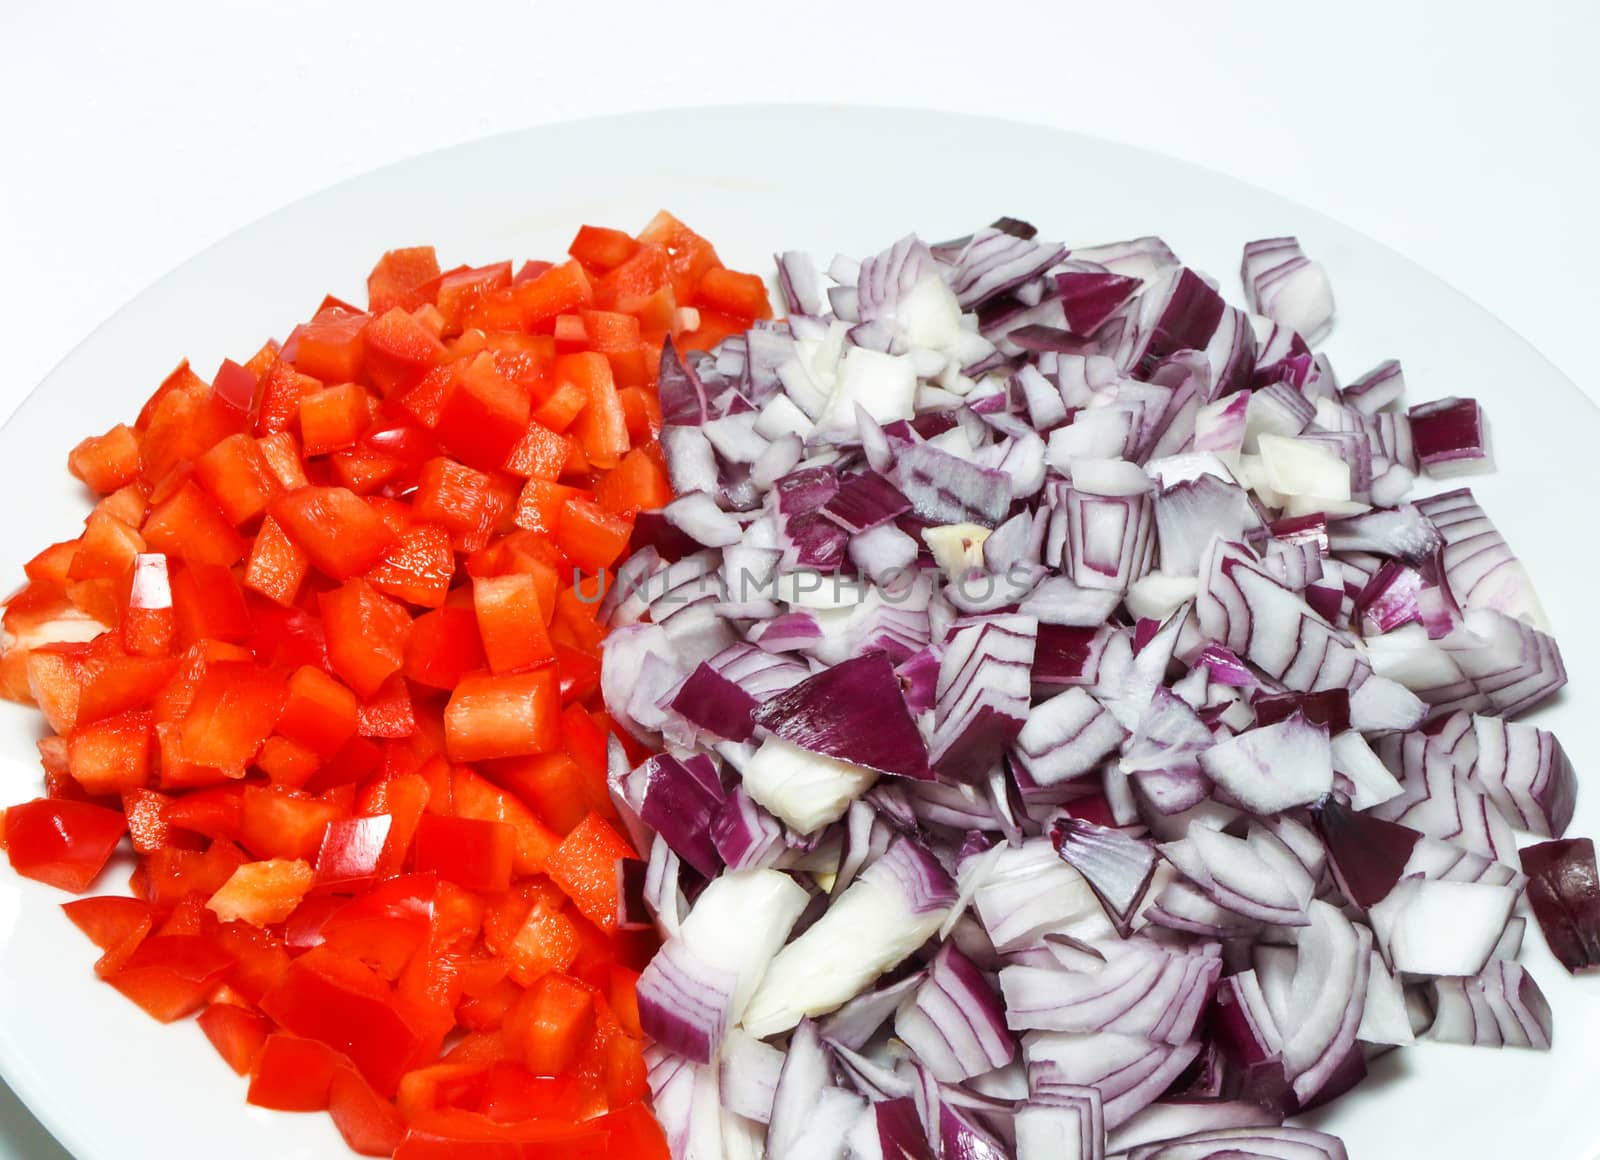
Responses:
[188,525]
[238,478]
[400,352]
[234,710]
[541,503]
[107,462]
[340,531]
[639,483]
[343,1004]
[106,550]
[62,843]
[333,419]
[352,851]
[318,712]
[330,347]
[277,566]
[585,867]
[742,295]
[237,1033]
[473,854]
[366,635]
[292,1074]
[601,427]
[396,279]
[601,249]
[277,400]
[512,622]
[444,646]
[418,568]
[551,1024]
[370,1124]
[540,454]
[207,604]
[112,754]
[591,537]
[172,975]
[503,716]
[483,415]
[262,893]
[460,290]
[278,823]
[558,290]
[282,454]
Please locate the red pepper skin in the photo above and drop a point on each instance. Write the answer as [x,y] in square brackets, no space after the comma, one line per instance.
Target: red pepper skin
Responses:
[585,867]
[342,1004]
[172,975]
[62,843]
[292,1074]
[473,854]
[237,1033]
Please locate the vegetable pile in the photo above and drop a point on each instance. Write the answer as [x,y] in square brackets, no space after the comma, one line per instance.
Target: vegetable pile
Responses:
[327,651]
[1072,740]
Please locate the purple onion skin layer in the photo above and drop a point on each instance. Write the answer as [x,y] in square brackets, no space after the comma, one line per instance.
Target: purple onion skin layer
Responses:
[1564,892]
[854,712]
[1369,854]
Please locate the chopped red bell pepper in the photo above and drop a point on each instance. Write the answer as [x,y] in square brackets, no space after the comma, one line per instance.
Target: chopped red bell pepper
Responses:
[370,1124]
[348,696]
[333,419]
[352,851]
[262,893]
[292,1074]
[503,716]
[237,1033]
[398,277]
[329,346]
[107,462]
[366,635]
[63,843]
[344,1005]
[473,854]
[341,532]
[585,866]
[172,975]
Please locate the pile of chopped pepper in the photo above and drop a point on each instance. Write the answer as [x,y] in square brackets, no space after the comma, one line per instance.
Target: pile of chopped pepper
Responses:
[326,654]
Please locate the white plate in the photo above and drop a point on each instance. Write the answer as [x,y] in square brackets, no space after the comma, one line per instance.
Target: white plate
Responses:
[114,1085]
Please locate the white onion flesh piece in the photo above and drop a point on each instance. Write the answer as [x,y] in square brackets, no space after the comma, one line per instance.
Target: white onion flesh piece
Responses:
[728,939]
[1436,799]
[811,1118]
[1524,771]
[1274,767]
[888,912]
[1069,1128]
[1141,989]
[953,1020]
[1326,997]
[1441,927]
[1130,1070]
[749,1074]
[1500,1007]
[1482,571]
[1384,1018]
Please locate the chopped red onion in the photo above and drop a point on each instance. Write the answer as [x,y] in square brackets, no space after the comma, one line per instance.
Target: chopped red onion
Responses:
[1564,892]
[1449,436]
[1075,550]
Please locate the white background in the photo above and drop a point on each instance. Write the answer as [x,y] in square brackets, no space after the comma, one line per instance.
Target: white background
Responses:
[1462,134]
